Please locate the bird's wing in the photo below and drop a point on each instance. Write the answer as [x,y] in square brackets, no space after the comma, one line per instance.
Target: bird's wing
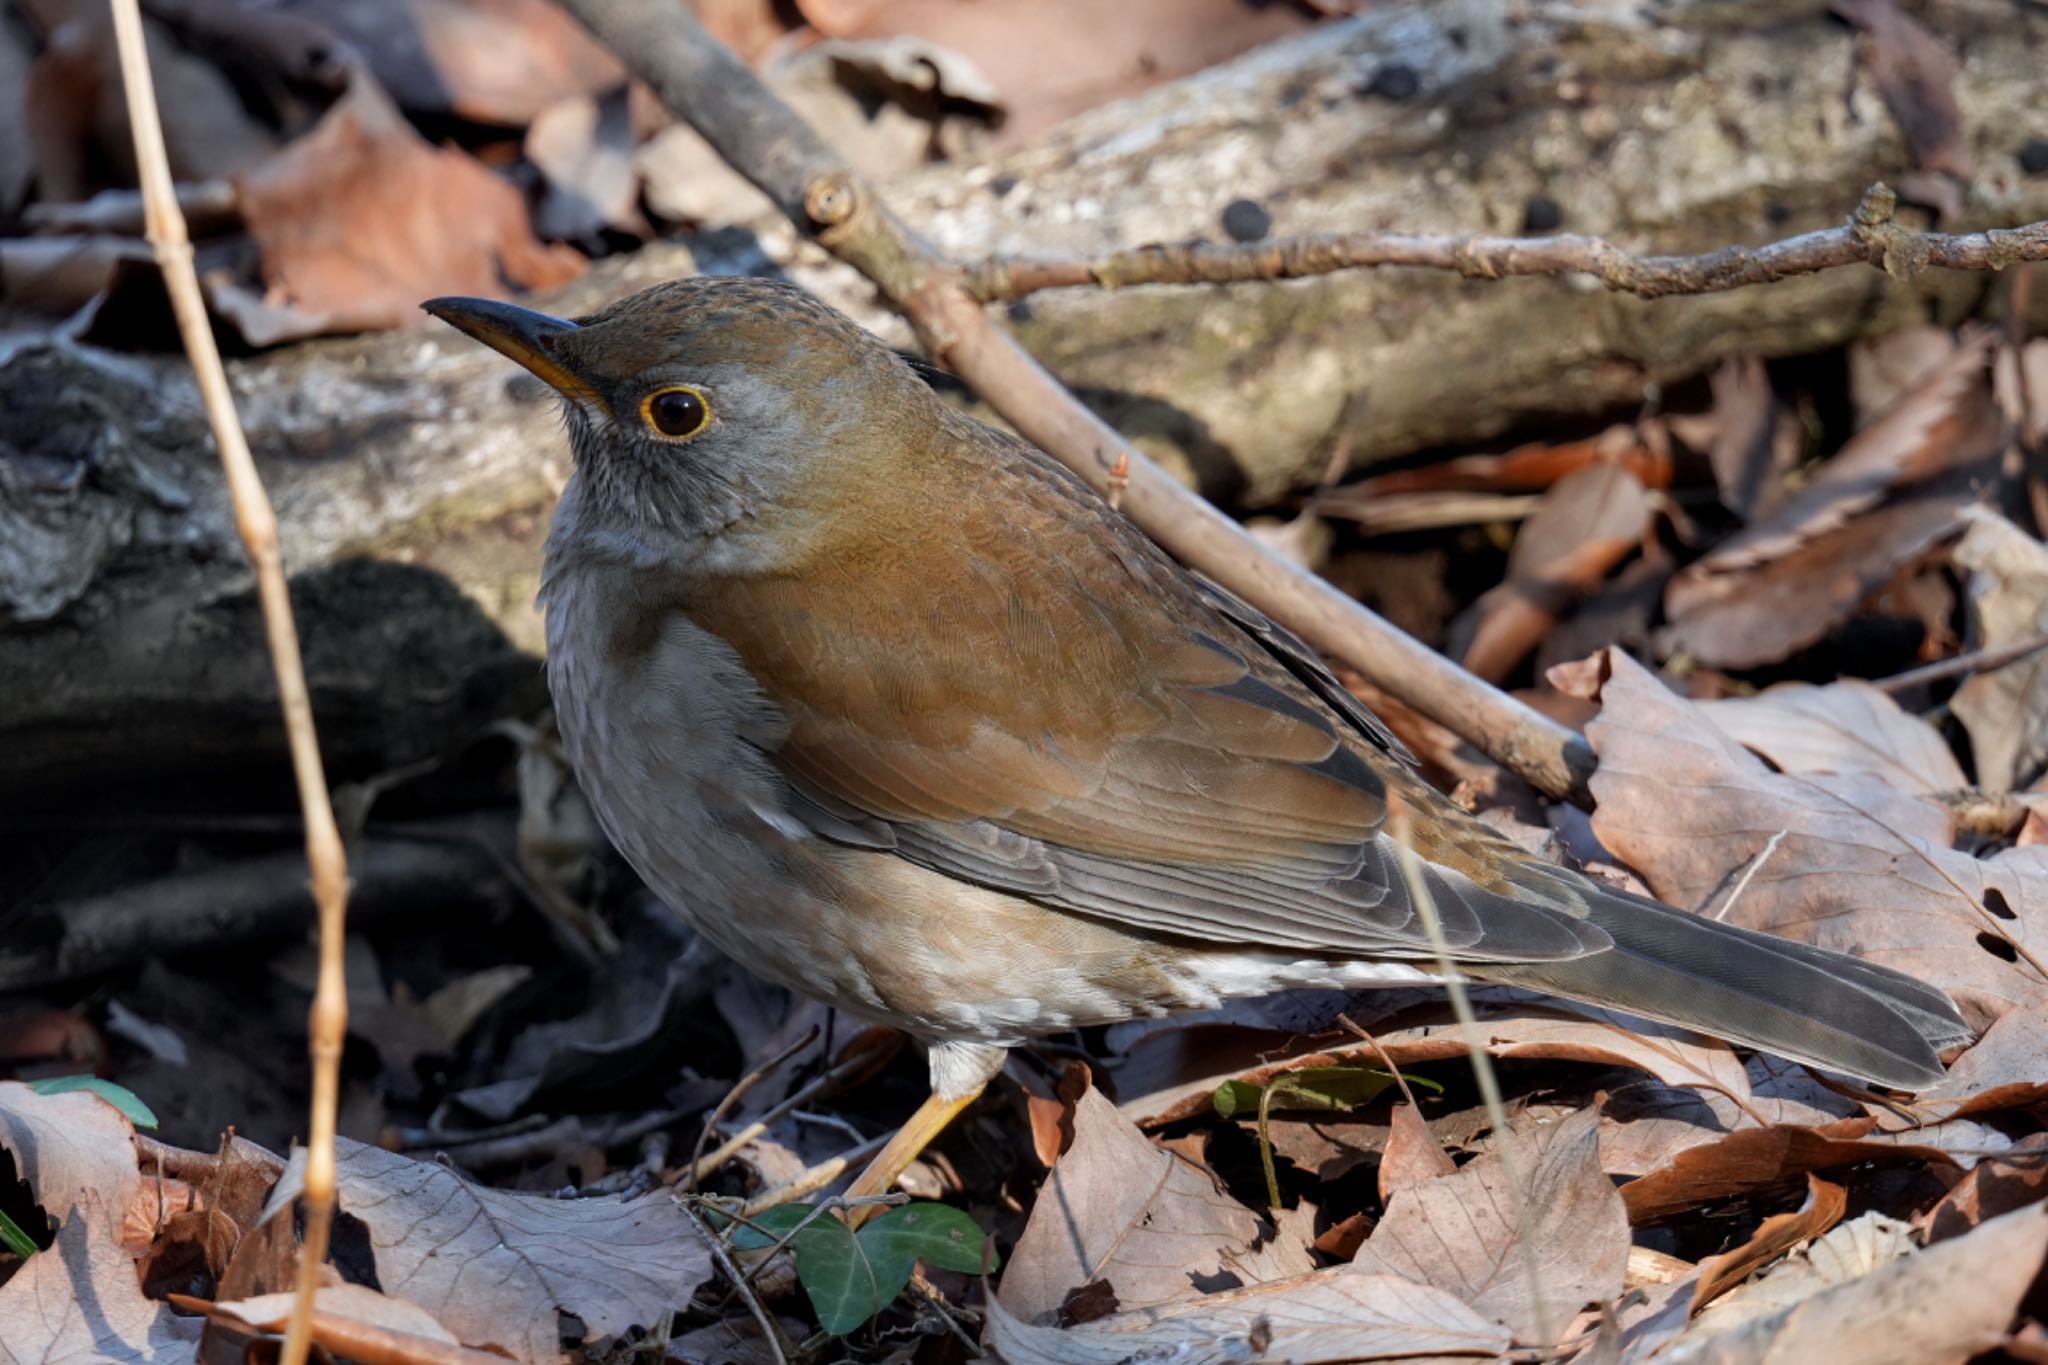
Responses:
[1068,715]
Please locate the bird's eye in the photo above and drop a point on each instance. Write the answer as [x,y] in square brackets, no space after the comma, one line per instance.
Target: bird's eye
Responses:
[679,413]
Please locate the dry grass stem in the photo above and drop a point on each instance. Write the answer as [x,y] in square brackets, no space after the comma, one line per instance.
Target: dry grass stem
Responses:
[1482,1064]
[257,524]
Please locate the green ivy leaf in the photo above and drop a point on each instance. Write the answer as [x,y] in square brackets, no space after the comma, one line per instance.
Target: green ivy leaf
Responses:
[851,1276]
[939,1235]
[120,1096]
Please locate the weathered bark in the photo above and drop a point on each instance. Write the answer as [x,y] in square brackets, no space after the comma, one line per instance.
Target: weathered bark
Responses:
[127,648]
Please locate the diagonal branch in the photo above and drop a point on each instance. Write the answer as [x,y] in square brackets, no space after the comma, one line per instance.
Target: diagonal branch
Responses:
[703,83]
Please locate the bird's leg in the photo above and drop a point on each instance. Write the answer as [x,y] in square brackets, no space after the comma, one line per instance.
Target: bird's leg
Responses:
[960,1072]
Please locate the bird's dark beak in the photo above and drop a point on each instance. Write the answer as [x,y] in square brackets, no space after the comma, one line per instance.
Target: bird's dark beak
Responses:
[520,334]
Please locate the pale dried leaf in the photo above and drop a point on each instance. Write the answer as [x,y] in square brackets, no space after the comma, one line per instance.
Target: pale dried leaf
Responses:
[1862,868]
[1843,727]
[1119,1209]
[1825,1204]
[1331,1315]
[1460,1232]
[79,1303]
[497,1267]
[75,1150]
[1412,1154]
[1945,1303]
[2002,1071]
[2005,709]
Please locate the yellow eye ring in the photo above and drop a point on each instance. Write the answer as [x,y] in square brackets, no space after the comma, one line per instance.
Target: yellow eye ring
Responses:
[677,413]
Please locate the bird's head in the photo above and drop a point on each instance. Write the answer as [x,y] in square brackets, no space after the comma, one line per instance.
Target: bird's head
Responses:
[709,404]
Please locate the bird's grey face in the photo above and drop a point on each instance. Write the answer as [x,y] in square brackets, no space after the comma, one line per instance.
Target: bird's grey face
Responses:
[699,407]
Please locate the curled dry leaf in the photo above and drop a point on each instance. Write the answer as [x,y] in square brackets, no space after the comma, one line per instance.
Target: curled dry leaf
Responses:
[2005,709]
[1150,1224]
[499,1268]
[1784,582]
[1460,1233]
[1847,1252]
[1825,1204]
[1644,1126]
[1328,1316]
[1862,867]
[361,218]
[1945,1303]
[1992,1188]
[1412,1154]
[1744,454]
[1749,1157]
[1587,524]
[1843,727]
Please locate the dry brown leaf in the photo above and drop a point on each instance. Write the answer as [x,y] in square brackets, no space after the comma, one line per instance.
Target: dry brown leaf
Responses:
[1643,1127]
[1412,1154]
[1825,1204]
[1848,1252]
[79,1301]
[1587,524]
[1946,1303]
[1053,58]
[360,219]
[1916,76]
[1745,449]
[2005,709]
[2002,1071]
[1843,727]
[1862,867]
[492,61]
[1751,1157]
[1783,583]
[1993,1187]
[1327,1316]
[1460,1232]
[1118,1209]
[497,1268]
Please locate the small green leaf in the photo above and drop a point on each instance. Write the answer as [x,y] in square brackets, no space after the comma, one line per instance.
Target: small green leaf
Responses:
[845,1286]
[1310,1088]
[851,1277]
[937,1234]
[120,1096]
[15,1240]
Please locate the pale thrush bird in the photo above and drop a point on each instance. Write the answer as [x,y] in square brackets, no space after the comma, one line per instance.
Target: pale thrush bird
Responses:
[898,713]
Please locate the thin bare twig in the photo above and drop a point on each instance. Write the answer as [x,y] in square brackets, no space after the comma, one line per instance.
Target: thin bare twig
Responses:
[257,524]
[771,1331]
[1872,236]
[758,135]
[1997,656]
[740,1088]
[819,1085]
